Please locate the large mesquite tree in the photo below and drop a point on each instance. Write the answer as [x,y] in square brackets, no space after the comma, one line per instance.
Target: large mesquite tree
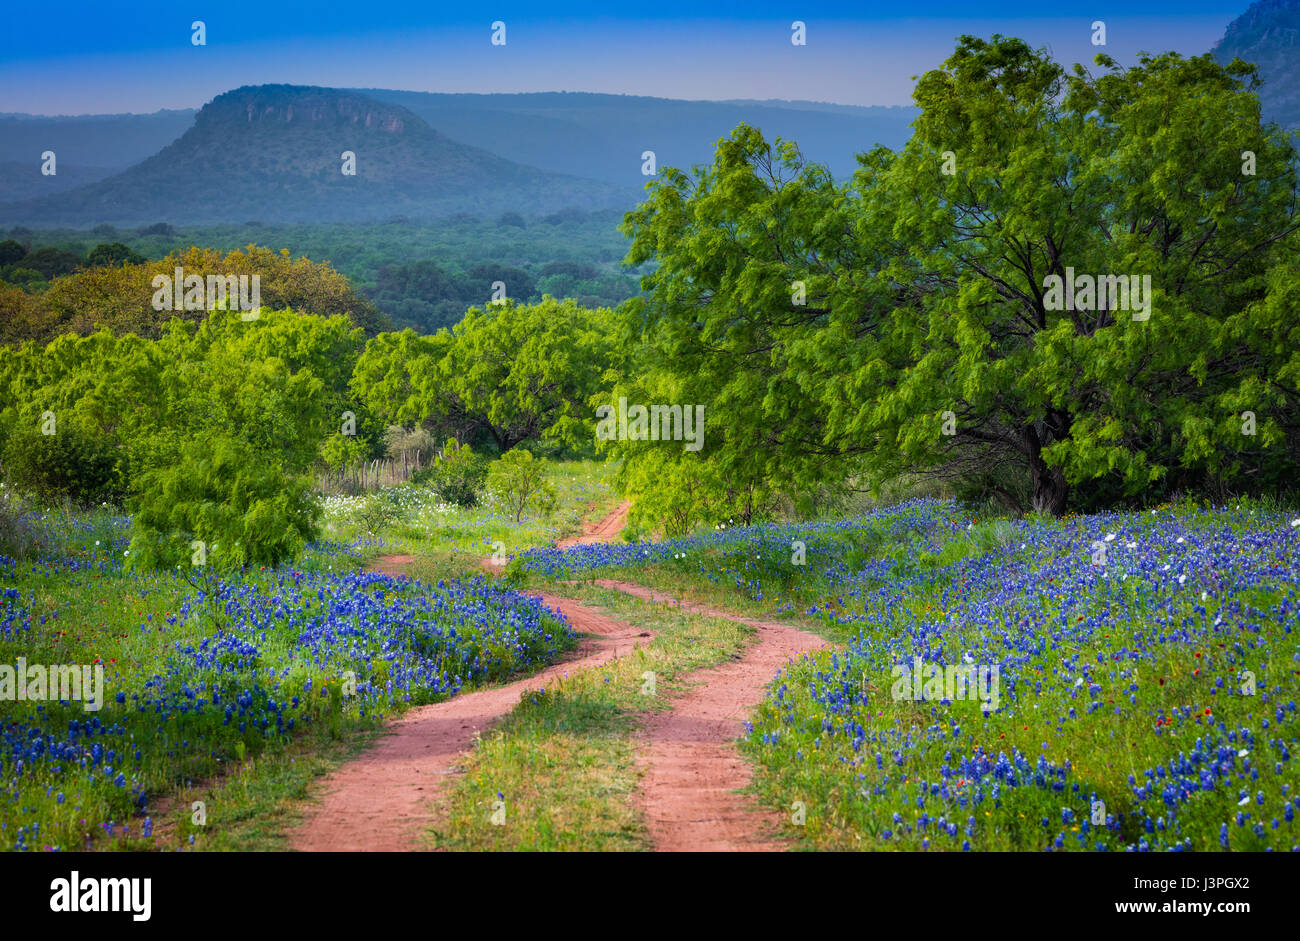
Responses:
[907,321]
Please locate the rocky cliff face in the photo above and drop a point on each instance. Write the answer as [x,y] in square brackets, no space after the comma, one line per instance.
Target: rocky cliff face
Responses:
[1268,34]
[290,105]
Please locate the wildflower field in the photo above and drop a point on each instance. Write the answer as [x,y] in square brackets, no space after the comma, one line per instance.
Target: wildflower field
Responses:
[1148,666]
[202,672]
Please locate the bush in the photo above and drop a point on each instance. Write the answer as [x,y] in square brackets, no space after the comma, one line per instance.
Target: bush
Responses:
[242,507]
[70,463]
[517,482]
[457,475]
[378,511]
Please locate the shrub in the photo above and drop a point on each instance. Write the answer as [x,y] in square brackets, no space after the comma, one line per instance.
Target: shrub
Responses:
[242,507]
[71,463]
[378,510]
[457,475]
[517,482]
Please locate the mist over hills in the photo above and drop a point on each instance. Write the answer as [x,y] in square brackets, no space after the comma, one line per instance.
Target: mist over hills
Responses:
[23,178]
[88,147]
[271,153]
[603,136]
[110,141]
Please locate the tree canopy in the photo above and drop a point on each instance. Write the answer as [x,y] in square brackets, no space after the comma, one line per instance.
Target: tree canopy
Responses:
[906,322]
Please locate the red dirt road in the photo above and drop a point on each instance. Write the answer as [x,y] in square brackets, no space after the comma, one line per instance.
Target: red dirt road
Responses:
[382,800]
[606,530]
[691,764]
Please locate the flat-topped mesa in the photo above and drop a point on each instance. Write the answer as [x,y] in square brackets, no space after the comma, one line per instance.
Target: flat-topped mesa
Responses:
[298,104]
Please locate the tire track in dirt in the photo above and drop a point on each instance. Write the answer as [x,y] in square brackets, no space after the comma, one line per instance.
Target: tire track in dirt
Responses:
[691,764]
[383,800]
[605,530]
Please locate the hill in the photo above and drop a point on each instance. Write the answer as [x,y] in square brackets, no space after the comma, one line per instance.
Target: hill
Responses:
[273,153]
[1268,34]
[88,147]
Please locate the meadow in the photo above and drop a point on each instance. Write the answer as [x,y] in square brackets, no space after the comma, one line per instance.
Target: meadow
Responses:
[1145,662]
[205,672]
[1147,694]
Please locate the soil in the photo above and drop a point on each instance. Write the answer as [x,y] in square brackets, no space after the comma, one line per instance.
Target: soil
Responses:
[394,565]
[692,767]
[605,530]
[692,770]
[383,800]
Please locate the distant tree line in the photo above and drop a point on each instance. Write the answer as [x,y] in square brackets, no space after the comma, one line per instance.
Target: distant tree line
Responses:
[35,268]
[422,276]
[429,296]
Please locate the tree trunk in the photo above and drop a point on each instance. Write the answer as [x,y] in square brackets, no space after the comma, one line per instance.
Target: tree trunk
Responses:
[1050,488]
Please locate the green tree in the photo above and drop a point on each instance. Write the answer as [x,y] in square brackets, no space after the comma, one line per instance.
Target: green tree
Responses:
[11,252]
[221,493]
[523,373]
[1135,173]
[113,255]
[517,482]
[52,262]
[394,377]
[905,322]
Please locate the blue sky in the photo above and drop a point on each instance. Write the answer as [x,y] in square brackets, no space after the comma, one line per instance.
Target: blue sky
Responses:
[77,58]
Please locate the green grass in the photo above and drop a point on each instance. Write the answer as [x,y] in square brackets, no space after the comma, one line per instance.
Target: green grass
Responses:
[254,785]
[455,539]
[564,760]
[805,750]
[257,803]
